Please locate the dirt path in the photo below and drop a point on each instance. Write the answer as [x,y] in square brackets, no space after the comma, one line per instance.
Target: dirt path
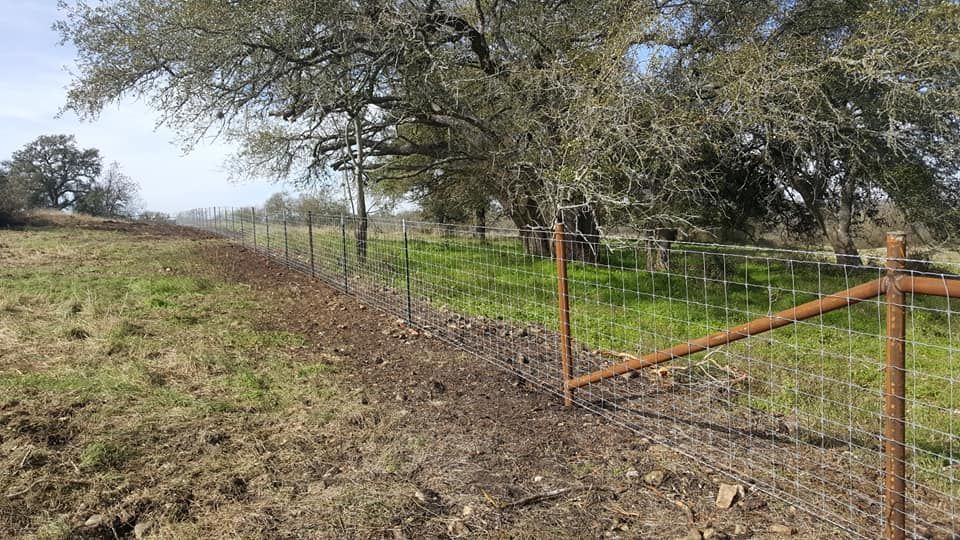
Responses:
[457,447]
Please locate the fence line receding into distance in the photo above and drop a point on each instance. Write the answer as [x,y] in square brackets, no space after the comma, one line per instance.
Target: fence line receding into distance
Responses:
[833,388]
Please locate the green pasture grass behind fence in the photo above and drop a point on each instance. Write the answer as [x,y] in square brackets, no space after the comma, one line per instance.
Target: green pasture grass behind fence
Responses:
[827,369]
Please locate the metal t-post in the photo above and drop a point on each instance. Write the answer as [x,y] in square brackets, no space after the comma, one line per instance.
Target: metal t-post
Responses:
[266,225]
[253,223]
[313,270]
[343,248]
[286,241]
[406,271]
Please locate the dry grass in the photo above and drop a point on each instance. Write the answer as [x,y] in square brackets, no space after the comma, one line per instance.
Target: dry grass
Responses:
[140,389]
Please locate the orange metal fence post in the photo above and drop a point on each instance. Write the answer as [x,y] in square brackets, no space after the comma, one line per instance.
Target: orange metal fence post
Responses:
[566,367]
[894,394]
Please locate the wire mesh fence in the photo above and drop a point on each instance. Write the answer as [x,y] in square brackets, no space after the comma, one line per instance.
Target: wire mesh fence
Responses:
[796,404]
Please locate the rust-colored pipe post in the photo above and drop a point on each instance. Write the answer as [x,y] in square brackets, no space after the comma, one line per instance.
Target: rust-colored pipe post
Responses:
[894,395]
[566,361]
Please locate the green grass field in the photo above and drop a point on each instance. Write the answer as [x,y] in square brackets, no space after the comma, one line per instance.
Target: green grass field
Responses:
[118,352]
[827,371]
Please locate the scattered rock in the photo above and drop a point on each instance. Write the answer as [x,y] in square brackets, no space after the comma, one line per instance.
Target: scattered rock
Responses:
[141,529]
[437,388]
[654,478]
[633,473]
[95,521]
[729,494]
[78,333]
[457,527]
[782,530]
[427,496]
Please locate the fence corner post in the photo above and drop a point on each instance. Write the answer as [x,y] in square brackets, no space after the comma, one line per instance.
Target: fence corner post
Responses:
[894,395]
[566,360]
[406,271]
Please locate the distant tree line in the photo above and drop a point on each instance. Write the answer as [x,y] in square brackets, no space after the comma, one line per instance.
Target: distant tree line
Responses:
[801,115]
[53,172]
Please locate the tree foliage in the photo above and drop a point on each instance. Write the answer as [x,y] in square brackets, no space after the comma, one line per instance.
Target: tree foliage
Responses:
[656,114]
[14,195]
[114,194]
[55,170]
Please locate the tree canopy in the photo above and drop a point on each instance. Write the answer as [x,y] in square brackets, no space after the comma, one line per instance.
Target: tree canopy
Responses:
[53,172]
[609,112]
[56,169]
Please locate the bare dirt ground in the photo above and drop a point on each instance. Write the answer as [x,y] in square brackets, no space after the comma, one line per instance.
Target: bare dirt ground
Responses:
[495,457]
[409,438]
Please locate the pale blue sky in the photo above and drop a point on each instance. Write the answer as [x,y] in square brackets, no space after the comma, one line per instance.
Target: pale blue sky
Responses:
[33,77]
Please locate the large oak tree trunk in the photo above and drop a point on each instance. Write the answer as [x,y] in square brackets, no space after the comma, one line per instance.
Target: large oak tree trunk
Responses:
[658,249]
[582,235]
[535,234]
[841,239]
[536,229]
[839,232]
[480,223]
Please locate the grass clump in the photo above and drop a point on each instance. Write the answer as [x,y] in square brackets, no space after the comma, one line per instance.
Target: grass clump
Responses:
[100,456]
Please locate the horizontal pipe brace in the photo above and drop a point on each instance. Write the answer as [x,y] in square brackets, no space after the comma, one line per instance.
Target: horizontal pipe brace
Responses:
[815,308]
[949,288]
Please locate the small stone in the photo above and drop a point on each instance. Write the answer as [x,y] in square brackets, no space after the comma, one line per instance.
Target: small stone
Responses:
[740,530]
[654,478]
[709,534]
[95,521]
[457,528]
[141,529]
[633,473]
[467,510]
[782,530]
[427,496]
[728,494]
[537,478]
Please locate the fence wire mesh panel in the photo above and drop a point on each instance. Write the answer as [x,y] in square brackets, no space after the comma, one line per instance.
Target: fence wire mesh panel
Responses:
[789,400]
